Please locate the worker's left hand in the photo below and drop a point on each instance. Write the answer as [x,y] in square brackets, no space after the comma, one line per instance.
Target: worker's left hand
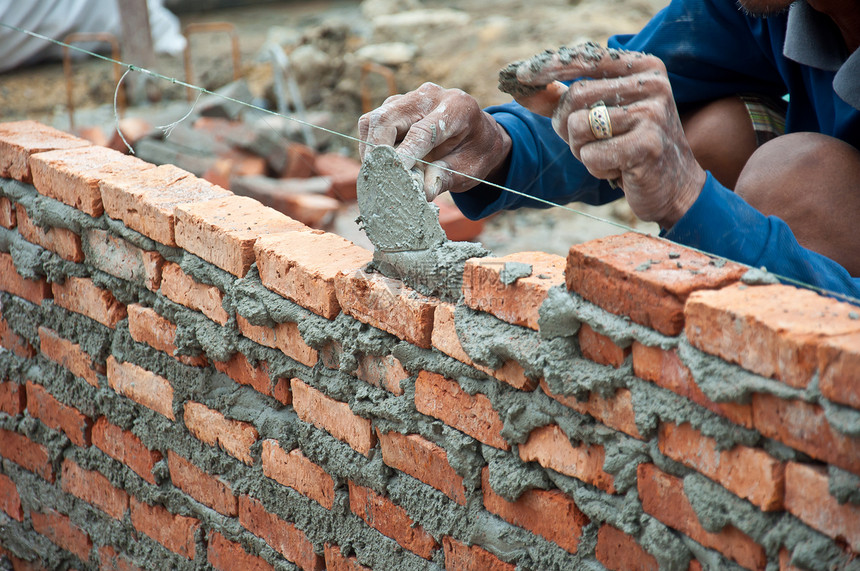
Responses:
[648,155]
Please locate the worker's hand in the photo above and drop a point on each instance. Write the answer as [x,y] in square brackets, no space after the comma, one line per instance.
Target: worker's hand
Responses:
[648,155]
[445,127]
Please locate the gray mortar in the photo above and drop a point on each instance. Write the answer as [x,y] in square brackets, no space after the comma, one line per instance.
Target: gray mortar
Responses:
[758,276]
[404,228]
[844,419]
[844,486]
[34,262]
[664,544]
[512,271]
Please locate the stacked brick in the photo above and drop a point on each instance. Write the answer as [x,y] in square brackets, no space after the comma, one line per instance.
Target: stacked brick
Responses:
[192,380]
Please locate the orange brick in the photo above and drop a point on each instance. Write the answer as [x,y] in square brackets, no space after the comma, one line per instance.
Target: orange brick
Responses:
[302,267]
[386,372]
[226,555]
[615,412]
[294,470]
[839,365]
[461,557]
[173,531]
[284,336]
[342,170]
[26,453]
[518,302]
[618,551]
[142,386]
[61,531]
[124,446]
[33,291]
[21,564]
[119,258]
[644,278]
[69,355]
[42,405]
[665,369]
[82,296]
[110,560]
[424,460]
[10,501]
[750,473]
[804,427]
[387,304]
[282,536]
[13,398]
[72,175]
[209,490]
[550,514]
[444,338]
[600,348]
[94,488]
[223,231]
[333,416]
[663,497]
[775,329]
[13,342]
[147,326]
[807,495]
[233,436]
[61,241]
[281,391]
[240,370]
[444,399]
[335,560]
[390,520]
[551,448]
[178,286]
[8,216]
[20,139]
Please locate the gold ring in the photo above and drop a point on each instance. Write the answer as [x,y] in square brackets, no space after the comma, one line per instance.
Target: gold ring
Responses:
[598,120]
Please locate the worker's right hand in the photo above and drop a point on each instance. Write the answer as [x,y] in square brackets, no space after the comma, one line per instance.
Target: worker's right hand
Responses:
[444,127]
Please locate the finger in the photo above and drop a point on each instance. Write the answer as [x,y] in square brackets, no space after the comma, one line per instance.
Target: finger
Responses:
[585,60]
[621,90]
[545,101]
[422,138]
[575,128]
[623,153]
[437,179]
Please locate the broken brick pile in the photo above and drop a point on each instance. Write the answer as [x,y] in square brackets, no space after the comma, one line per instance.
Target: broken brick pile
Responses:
[193,380]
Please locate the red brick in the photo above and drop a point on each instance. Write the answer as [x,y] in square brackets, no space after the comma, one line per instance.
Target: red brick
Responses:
[294,470]
[82,296]
[665,369]
[223,231]
[663,497]
[13,342]
[384,371]
[750,473]
[315,210]
[785,561]
[240,370]
[330,355]
[119,258]
[20,139]
[94,488]
[8,216]
[26,453]
[444,338]
[233,436]
[390,520]
[73,423]
[335,560]
[284,336]
[226,555]
[209,490]
[550,514]
[178,286]
[517,303]
[61,531]
[147,326]
[72,175]
[282,536]
[142,386]
[302,199]
[299,161]
[615,412]
[61,241]
[10,501]
[618,551]
[281,391]
[644,278]
[807,495]
[776,330]
[124,446]
[550,447]
[234,163]
[145,200]
[839,365]
[19,564]
[424,460]
[600,348]
[173,531]
[343,172]
[13,398]
[333,416]
[33,291]
[69,355]
[110,560]
[387,304]
[803,426]
[444,399]
[133,129]
[461,557]
[302,267]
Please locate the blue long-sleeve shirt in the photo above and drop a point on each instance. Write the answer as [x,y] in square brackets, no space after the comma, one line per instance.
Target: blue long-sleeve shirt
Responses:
[711,50]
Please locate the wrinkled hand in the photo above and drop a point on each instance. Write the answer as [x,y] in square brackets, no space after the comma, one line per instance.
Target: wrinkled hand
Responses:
[648,154]
[445,127]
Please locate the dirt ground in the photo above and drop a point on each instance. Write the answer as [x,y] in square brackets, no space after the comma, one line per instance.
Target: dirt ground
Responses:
[459,44]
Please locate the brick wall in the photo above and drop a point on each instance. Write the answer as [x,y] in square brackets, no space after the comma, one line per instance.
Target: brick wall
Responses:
[191,380]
